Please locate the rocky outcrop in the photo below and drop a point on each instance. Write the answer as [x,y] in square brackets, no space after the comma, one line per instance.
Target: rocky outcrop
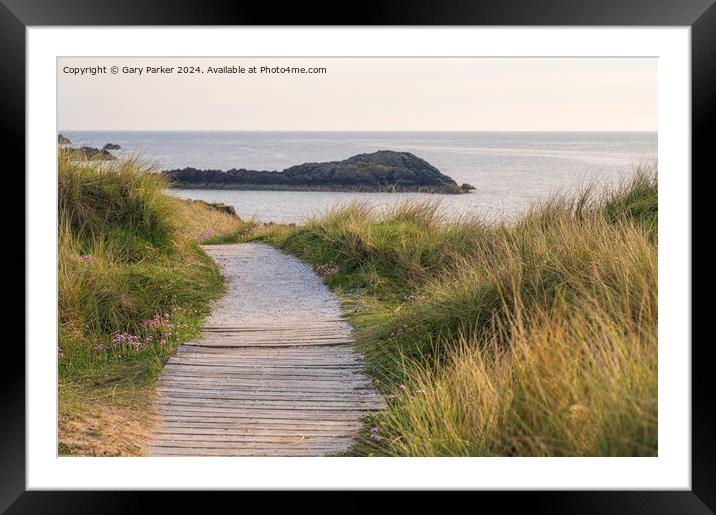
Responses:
[217,206]
[89,154]
[224,208]
[86,153]
[384,170]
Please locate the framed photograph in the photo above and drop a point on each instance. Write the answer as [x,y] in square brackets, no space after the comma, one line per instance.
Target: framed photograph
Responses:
[443,248]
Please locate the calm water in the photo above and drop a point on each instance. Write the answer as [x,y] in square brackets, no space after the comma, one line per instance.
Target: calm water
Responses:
[509,170]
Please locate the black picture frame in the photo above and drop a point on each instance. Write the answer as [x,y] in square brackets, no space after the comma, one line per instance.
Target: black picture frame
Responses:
[17,15]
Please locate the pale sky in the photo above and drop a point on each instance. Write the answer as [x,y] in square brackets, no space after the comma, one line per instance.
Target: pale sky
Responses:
[431,94]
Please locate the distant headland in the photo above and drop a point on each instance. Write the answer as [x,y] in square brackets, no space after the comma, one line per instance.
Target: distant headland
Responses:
[384,171]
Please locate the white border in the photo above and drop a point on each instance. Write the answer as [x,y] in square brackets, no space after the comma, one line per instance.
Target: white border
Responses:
[670,470]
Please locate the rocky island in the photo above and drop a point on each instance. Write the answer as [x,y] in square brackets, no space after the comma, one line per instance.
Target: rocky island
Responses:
[385,171]
[89,154]
[85,153]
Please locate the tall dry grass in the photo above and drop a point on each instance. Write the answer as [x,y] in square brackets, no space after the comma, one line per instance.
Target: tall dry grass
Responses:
[542,383]
[536,337]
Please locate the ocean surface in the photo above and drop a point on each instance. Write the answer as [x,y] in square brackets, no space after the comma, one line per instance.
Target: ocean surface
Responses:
[510,170]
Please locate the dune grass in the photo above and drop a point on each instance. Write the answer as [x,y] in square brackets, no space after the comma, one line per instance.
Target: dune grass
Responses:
[133,282]
[530,338]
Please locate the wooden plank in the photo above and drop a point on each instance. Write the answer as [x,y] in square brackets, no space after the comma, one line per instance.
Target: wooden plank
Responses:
[270,386]
[293,325]
[166,451]
[284,335]
[222,371]
[305,385]
[245,393]
[218,376]
[232,399]
[289,405]
[276,345]
[256,429]
[264,357]
[207,370]
[208,366]
[331,445]
[178,422]
[238,402]
[263,380]
[261,366]
[230,440]
[264,352]
[256,416]
[278,437]
[278,402]
[340,375]
[266,386]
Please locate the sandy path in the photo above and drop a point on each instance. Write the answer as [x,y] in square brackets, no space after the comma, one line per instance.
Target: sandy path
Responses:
[274,372]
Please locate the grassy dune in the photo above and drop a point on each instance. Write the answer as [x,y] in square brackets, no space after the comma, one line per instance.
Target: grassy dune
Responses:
[531,338]
[133,283]
[534,338]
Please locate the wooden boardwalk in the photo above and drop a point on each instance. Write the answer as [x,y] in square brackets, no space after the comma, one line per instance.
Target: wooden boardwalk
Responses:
[274,372]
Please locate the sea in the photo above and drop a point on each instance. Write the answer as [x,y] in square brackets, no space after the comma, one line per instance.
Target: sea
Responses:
[510,170]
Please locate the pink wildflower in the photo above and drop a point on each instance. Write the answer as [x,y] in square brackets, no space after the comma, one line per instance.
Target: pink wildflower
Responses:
[154,323]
